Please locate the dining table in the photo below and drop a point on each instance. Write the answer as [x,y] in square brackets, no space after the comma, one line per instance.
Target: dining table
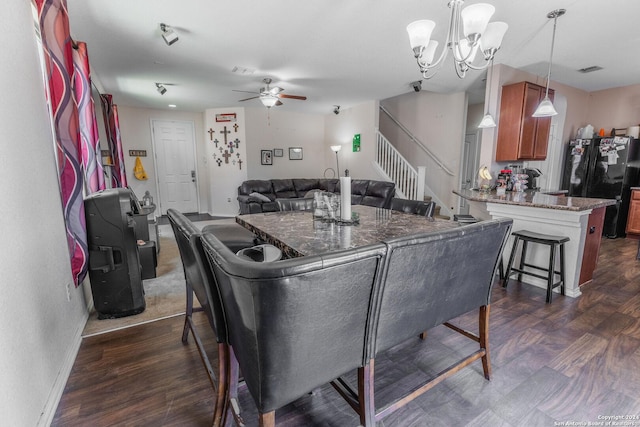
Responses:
[298,233]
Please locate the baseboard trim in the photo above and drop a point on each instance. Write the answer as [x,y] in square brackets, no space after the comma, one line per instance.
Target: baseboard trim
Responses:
[49,410]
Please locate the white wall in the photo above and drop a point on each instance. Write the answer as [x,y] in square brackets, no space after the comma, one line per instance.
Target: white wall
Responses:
[224,178]
[340,129]
[437,120]
[273,128]
[40,329]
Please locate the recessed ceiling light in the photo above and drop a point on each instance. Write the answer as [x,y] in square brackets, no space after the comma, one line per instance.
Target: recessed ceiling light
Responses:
[172,105]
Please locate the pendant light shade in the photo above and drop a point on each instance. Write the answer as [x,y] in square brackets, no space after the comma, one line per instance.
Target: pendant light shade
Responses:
[546,108]
[487,122]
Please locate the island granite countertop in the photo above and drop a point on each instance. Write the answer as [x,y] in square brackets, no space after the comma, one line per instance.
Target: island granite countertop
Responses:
[536,199]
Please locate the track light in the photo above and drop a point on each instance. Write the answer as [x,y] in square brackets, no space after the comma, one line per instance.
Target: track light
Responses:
[161,89]
[417,85]
[169,36]
[336,110]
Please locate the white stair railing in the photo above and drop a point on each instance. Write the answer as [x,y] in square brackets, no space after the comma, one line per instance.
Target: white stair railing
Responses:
[409,181]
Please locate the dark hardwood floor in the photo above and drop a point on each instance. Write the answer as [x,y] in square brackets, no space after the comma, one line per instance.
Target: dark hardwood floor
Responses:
[576,360]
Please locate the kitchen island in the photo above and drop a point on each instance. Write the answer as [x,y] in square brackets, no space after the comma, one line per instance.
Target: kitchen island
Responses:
[578,218]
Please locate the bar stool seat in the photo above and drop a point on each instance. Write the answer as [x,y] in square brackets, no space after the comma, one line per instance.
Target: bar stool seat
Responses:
[553,242]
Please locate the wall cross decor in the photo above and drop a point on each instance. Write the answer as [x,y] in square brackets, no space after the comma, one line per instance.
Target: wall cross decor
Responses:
[240,163]
[225,132]
[230,145]
[226,156]
[211,132]
[215,141]
[236,141]
[235,127]
[219,162]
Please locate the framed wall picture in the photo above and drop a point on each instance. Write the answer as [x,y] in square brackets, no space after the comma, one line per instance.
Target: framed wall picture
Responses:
[265,157]
[278,152]
[295,153]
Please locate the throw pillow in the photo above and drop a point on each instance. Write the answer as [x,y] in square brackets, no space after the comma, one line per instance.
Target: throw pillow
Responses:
[260,196]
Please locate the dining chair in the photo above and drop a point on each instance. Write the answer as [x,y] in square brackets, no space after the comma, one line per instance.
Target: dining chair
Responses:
[295,324]
[293,204]
[416,207]
[198,281]
[428,280]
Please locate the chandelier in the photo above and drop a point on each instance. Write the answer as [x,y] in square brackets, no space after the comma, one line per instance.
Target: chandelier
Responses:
[469,31]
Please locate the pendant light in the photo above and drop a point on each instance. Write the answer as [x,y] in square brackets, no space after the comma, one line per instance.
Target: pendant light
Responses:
[487,121]
[546,108]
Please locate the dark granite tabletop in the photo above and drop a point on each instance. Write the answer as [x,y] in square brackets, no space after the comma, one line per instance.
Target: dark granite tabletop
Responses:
[536,199]
[297,234]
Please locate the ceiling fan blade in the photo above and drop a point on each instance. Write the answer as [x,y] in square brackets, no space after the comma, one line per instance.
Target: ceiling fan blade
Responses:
[245,91]
[284,95]
[246,99]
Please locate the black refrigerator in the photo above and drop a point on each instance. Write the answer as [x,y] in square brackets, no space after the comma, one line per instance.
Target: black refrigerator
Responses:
[604,168]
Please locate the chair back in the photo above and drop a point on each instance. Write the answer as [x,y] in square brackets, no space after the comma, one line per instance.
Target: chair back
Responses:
[298,323]
[415,207]
[429,279]
[198,276]
[295,204]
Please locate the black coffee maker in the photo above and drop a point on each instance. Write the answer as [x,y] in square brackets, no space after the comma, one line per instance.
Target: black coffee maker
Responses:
[534,174]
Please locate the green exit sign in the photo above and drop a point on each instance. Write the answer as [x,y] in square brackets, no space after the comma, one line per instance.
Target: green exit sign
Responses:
[356,142]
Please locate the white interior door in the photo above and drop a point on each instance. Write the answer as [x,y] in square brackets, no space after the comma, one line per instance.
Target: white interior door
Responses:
[174,147]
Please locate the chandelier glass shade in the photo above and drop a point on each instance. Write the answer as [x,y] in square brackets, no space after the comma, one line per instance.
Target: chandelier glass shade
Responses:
[469,31]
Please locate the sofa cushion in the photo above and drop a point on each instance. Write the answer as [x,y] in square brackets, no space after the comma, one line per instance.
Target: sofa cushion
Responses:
[303,185]
[258,186]
[283,188]
[330,185]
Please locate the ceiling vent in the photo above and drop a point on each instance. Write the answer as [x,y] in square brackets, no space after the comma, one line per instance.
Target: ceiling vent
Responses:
[245,71]
[590,69]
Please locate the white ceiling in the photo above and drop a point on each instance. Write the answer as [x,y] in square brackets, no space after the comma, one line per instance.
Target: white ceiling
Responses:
[335,52]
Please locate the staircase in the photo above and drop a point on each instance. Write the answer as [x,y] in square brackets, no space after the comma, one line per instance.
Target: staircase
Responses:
[410,183]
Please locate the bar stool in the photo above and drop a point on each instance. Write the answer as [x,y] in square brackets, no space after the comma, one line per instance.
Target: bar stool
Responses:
[552,241]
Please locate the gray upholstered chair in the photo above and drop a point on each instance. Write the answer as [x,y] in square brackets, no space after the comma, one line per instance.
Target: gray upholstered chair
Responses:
[415,207]
[295,324]
[428,280]
[198,281]
[295,204]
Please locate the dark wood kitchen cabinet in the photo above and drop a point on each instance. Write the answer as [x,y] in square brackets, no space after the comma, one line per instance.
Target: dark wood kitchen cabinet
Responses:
[633,220]
[521,136]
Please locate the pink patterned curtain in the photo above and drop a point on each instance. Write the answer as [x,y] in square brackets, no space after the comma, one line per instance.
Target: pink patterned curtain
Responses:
[53,22]
[112,123]
[89,139]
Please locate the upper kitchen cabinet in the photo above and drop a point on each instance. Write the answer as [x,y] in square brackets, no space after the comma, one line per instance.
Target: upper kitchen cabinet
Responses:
[521,136]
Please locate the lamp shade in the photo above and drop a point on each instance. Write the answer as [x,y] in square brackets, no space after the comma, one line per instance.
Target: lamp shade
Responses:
[420,32]
[476,17]
[545,109]
[269,100]
[487,122]
[336,148]
[467,51]
[492,37]
[429,52]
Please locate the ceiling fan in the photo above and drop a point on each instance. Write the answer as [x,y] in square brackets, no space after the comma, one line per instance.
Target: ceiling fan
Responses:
[270,96]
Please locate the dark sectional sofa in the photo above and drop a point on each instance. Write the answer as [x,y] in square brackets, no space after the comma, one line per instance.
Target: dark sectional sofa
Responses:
[255,196]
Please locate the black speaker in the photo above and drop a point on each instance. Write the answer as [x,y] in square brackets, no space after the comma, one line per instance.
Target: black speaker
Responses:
[114,262]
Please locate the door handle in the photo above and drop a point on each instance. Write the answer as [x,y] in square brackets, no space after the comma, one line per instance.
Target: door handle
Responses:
[193,176]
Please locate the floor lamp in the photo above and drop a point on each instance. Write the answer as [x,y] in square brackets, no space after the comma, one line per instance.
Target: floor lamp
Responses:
[335,149]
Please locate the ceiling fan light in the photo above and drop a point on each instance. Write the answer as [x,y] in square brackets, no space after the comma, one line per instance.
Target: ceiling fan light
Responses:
[545,109]
[420,33]
[492,37]
[487,122]
[168,34]
[268,100]
[475,18]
